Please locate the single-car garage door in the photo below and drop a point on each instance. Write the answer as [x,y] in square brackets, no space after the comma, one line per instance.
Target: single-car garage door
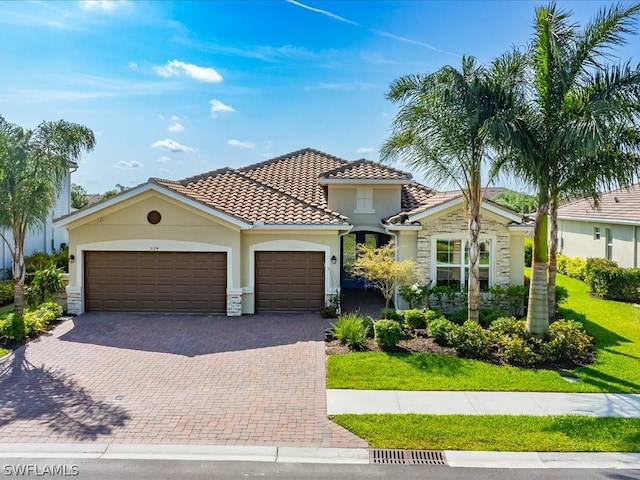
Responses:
[289,281]
[155,281]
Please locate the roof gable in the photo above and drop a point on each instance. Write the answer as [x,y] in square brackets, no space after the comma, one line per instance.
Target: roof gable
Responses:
[364,171]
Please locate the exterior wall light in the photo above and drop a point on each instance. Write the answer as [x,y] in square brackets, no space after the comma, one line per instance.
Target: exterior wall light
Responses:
[72,258]
[333,259]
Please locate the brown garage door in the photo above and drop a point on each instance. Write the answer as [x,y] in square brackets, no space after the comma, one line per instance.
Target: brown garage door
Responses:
[289,281]
[155,281]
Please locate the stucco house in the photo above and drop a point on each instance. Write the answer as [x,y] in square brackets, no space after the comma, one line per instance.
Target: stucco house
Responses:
[609,231]
[47,237]
[275,236]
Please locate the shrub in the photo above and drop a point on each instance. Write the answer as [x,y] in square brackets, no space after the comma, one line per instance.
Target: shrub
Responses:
[439,329]
[13,328]
[368,323]
[458,316]
[488,315]
[350,330]
[471,340]
[44,284]
[36,320]
[6,292]
[568,341]
[387,333]
[414,319]
[607,280]
[415,295]
[520,350]
[561,294]
[509,326]
[390,314]
[571,267]
[528,251]
[332,308]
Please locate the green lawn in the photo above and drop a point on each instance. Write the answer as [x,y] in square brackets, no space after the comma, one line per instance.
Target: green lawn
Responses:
[496,432]
[615,327]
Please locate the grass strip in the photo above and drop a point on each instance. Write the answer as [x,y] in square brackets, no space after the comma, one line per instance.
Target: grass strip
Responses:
[566,433]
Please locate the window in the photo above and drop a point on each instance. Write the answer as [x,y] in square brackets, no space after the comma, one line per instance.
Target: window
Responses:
[609,251]
[596,233]
[364,200]
[452,262]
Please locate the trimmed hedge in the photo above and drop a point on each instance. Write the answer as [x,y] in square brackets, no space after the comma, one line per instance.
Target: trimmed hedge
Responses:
[609,281]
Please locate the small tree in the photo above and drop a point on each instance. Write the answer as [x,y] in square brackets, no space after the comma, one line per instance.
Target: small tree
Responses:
[78,196]
[381,270]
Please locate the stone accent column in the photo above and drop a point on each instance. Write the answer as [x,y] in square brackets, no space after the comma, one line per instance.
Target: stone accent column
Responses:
[234,302]
[74,300]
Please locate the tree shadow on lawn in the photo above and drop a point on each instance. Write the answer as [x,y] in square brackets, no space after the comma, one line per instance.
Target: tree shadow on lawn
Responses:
[603,336]
[53,399]
[433,363]
[597,429]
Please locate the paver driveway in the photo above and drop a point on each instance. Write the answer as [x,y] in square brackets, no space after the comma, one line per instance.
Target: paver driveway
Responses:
[144,378]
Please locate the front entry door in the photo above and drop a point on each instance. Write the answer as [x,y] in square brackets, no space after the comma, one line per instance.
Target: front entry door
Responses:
[349,252]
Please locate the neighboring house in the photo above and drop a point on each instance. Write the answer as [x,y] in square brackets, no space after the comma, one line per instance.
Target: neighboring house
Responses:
[47,237]
[611,231]
[275,236]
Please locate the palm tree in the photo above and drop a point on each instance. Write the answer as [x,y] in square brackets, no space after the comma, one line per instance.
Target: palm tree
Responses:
[32,164]
[574,134]
[445,126]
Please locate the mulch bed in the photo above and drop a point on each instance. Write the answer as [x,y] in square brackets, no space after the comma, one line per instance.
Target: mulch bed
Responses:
[416,344]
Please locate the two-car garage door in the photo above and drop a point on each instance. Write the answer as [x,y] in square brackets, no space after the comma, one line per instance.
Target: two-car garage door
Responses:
[155,281]
[197,281]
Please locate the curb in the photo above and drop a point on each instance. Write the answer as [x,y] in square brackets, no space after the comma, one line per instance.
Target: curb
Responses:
[275,454]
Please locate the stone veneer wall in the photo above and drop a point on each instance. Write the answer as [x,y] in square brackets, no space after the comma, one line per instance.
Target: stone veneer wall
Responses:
[456,222]
[234,305]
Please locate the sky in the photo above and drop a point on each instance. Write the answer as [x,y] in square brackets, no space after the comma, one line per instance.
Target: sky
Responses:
[174,89]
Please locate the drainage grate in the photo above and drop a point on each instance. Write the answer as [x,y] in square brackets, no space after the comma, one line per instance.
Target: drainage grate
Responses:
[407,457]
[426,457]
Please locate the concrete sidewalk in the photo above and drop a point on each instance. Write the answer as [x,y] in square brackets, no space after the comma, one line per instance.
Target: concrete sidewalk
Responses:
[483,403]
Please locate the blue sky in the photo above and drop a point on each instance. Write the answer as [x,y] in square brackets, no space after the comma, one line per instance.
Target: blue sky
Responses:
[172,89]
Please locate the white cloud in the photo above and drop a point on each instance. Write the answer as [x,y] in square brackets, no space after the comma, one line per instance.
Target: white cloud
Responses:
[172,146]
[163,159]
[364,150]
[176,127]
[133,66]
[175,118]
[238,143]
[128,165]
[218,106]
[104,5]
[175,68]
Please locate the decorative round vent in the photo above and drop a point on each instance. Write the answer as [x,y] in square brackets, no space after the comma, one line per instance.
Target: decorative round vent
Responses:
[154,217]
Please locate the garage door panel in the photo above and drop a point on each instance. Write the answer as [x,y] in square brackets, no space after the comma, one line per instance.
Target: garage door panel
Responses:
[155,281]
[289,281]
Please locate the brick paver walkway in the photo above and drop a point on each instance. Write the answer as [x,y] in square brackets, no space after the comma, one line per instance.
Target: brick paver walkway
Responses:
[172,379]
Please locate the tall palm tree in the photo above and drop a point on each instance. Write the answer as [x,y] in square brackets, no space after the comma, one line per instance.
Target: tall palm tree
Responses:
[32,165]
[575,132]
[445,126]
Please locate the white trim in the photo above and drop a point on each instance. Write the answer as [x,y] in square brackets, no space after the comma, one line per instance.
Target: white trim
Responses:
[291,246]
[146,187]
[392,227]
[363,181]
[457,201]
[600,220]
[369,228]
[464,237]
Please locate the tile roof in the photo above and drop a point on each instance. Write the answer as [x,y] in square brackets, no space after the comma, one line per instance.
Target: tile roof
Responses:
[235,194]
[622,204]
[365,170]
[296,174]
